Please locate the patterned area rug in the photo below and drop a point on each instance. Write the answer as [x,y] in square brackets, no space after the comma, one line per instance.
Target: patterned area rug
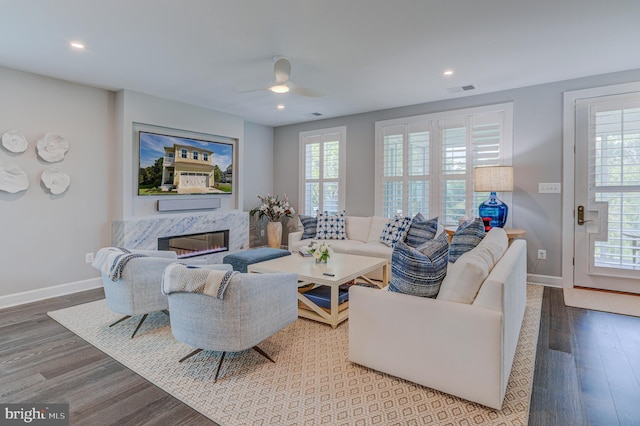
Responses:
[312,382]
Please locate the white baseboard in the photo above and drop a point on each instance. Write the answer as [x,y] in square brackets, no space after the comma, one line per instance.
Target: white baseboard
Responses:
[547,280]
[48,292]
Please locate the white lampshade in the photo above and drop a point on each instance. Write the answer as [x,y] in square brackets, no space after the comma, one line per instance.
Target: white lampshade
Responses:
[493,179]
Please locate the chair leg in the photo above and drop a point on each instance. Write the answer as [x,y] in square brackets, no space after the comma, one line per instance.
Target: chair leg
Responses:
[197,351]
[218,368]
[120,320]
[144,317]
[263,353]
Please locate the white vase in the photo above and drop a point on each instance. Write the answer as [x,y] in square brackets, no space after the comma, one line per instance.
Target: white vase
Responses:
[274,234]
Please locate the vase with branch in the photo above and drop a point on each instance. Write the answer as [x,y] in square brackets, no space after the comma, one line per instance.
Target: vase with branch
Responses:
[274,209]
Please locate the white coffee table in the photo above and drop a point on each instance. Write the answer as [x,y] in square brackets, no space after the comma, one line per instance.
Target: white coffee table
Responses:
[344,267]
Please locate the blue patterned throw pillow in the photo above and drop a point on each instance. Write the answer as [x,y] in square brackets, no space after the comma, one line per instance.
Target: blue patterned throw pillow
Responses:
[419,271]
[310,225]
[421,230]
[395,230]
[466,238]
[331,227]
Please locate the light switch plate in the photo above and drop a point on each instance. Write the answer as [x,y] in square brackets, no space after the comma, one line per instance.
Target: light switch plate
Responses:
[549,188]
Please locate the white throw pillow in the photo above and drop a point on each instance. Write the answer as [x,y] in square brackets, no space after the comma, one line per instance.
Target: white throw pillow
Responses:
[331,227]
[358,228]
[395,230]
[465,276]
[377,226]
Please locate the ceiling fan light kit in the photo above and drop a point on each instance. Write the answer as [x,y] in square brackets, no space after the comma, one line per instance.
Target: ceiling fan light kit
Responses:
[279,88]
[281,83]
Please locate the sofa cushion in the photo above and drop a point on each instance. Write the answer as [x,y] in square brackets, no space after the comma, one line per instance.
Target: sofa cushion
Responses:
[331,227]
[373,249]
[310,225]
[421,230]
[465,277]
[466,238]
[377,226]
[395,230]
[358,228]
[419,271]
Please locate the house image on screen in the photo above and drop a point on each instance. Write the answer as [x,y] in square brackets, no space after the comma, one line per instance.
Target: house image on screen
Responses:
[187,169]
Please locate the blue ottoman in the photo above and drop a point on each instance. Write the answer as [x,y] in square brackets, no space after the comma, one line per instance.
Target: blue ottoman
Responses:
[239,261]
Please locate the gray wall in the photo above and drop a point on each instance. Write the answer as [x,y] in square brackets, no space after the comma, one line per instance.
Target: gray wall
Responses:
[537,157]
[45,237]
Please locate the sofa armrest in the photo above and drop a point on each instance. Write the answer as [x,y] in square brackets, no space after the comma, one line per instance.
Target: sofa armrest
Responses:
[452,347]
[294,237]
[505,290]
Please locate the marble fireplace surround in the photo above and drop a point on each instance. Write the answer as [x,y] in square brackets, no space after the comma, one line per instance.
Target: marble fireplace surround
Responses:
[143,233]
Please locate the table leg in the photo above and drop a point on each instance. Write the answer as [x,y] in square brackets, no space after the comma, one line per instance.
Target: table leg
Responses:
[334,305]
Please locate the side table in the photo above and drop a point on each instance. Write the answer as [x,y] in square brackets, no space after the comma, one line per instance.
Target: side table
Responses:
[512,233]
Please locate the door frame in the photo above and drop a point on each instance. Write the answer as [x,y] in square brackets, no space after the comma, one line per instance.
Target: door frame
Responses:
[568,167]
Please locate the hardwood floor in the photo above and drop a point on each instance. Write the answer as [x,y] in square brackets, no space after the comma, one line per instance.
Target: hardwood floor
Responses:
[587,370]
[41,361]
[587,367]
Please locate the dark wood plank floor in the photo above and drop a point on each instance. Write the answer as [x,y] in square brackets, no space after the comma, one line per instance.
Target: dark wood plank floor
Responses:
[587,367]
[41,361]
[587,370]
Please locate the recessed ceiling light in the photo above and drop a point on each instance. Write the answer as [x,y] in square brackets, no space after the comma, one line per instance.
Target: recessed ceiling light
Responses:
[448,72]
[77,45]
[280,106]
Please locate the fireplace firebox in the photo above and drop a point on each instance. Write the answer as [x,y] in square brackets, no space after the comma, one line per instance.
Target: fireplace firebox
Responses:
[193,245]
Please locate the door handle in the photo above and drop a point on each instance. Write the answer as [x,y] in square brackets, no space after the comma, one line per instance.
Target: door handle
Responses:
[581,220]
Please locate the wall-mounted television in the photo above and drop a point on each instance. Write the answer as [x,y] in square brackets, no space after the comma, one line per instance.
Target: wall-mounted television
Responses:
[171,165]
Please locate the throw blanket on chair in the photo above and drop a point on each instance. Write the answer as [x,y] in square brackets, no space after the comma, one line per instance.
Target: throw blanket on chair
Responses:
[112,260]
[178,277]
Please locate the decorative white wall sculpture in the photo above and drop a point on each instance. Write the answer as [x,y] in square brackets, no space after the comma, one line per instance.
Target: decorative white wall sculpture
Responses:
[14,141]
[12,178]
[55,180]
[52,147]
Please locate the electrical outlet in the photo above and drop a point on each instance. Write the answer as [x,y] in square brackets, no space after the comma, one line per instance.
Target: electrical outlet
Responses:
[542,254]
[262,232]
[88,257]
[549,188]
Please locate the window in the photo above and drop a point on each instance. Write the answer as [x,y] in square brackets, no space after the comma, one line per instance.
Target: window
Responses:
[322,170]
[195,155]
[425,163]
[183,153]
[205,156]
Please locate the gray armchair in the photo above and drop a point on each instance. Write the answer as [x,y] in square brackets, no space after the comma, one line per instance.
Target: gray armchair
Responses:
[254,307]
[138,289]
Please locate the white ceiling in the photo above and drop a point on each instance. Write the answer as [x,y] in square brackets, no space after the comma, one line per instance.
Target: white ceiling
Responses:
[364,55]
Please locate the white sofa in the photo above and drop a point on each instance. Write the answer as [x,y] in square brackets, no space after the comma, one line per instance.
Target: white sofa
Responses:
[363,238]
[462,349]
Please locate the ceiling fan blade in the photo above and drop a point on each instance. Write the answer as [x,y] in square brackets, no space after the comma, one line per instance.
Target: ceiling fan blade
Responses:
[305,91]
[282,69]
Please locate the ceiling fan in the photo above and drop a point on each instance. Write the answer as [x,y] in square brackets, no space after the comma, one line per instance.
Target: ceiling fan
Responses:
[281,84]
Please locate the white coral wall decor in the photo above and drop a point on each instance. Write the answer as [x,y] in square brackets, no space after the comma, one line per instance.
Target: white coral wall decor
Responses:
[14,141]
[52,147]
[55,180]
[12,178]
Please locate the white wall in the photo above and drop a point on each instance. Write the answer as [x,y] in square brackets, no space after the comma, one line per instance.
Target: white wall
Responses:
[45,237]
[537,157]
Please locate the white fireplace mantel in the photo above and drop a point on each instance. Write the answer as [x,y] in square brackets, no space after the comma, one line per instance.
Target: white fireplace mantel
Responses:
[143,233]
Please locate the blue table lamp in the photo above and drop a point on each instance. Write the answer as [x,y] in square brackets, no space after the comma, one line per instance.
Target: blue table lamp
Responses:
[493,179]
